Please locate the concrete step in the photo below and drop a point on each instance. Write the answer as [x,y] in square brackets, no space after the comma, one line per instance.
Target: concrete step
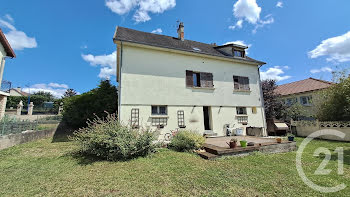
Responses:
[206,155]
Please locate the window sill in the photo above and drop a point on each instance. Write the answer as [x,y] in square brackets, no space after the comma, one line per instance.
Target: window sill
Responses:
[242,115]
[159,116]
[201,88]
[248,91]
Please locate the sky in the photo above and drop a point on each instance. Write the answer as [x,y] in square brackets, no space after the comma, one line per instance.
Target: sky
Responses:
[68,44]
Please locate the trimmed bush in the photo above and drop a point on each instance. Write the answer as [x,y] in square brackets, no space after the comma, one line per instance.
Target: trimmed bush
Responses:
[108,139]
[186,141]
[80,108]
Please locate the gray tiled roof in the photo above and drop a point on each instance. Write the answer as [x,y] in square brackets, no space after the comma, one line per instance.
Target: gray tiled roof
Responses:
[134,36]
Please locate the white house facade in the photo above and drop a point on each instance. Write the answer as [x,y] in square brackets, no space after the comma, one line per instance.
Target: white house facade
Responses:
[5,52]
[168,83]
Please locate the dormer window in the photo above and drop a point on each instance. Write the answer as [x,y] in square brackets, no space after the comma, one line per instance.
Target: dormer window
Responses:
[238,53]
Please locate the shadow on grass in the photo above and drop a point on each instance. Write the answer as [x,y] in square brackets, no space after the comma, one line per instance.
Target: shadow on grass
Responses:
[334,156]
[84,159]
[62,133]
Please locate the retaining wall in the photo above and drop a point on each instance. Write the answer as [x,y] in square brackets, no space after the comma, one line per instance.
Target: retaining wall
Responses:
[26,136]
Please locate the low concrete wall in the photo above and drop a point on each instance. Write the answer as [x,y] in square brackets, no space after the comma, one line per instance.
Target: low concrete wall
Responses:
[305,128]
[26,136]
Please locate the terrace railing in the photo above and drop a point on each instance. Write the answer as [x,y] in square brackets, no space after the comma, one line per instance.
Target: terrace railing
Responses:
[5,86]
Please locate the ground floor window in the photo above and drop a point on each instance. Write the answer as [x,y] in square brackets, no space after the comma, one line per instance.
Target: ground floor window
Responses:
[135,118]
[181,118]
[241,111]
[159,122]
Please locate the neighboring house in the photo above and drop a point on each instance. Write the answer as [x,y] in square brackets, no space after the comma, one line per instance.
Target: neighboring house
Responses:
[17,92]
[302,92]
[169,82]
[5,52]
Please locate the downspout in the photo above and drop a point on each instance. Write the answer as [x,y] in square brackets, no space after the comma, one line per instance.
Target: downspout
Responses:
[262,103]
[120,79]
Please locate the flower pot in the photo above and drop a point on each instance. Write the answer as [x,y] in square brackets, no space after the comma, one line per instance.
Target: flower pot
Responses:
[232,144]
[291,138]
[243,143]
[279,140]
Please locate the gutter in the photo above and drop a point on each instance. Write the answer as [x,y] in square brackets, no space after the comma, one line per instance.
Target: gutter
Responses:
[120,79]
[263,114]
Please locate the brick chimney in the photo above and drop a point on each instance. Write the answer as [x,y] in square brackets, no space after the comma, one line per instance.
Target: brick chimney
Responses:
[181,31]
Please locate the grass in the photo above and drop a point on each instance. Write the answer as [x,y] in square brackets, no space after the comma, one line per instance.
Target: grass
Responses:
[44,168]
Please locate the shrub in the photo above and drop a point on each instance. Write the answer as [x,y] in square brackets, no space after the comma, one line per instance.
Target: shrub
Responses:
[108,139]
[80,108]
[186,141]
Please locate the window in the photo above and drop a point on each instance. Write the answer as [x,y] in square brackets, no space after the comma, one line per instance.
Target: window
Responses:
[238,53]
[181,119]
[305,100]
[196,80]
[135,118]
[159,110]
[159,122]
[291,101]
[199,79]
[254,111]
[241,83]
[241,111]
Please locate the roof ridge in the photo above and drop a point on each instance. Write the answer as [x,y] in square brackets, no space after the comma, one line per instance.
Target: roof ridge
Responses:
[320,80]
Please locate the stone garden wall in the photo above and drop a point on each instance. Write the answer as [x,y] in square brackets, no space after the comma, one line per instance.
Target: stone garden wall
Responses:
[305,128]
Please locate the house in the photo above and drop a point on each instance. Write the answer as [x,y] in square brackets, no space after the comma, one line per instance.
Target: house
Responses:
[302,92]
[17,92]
[169,82]
[5,52]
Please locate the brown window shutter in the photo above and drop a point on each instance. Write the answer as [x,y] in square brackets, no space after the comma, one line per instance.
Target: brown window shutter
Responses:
[189,78]
[206,80]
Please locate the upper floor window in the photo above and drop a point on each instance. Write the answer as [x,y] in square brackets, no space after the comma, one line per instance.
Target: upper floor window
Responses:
[159,110]
[305,100]
[291,101]
[238,53]
[199,79]
[241,83]
[241,111]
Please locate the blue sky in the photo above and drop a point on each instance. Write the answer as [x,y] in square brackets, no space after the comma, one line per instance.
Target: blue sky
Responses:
[62,44]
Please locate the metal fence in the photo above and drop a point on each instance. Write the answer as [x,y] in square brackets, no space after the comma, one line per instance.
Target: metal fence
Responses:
[11,125]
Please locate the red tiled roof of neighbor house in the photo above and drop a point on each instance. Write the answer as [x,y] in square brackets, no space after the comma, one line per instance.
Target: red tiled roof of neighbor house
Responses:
[6,45]
[305,85]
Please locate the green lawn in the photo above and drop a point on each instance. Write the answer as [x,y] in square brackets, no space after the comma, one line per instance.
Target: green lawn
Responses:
[46,168]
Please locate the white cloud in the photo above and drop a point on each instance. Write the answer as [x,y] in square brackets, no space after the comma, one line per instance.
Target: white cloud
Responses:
[106,62]
[336,48]
[279,4]
[323,69]
[57,90]
[157,31]
[143,7]
[17,39]
[276,73]
[240,42]
[249,10]
[239,25]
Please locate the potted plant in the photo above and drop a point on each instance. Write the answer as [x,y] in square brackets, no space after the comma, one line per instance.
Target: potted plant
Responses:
[243,143]
[232,143]
[279,140]
[291,138]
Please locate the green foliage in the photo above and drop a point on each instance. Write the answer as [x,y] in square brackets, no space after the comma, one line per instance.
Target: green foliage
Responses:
[108,139]
[47,95]
[80,108]
[69,93]
[295,112]
[273,103]
[334,103]
[186,141]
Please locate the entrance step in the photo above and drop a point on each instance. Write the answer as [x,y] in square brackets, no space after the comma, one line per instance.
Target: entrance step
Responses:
[210,134]
[206,155]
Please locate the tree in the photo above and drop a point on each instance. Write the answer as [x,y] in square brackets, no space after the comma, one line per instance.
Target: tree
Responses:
[81,108]
[274,105]
[69,93]
[334,102]
[47,96]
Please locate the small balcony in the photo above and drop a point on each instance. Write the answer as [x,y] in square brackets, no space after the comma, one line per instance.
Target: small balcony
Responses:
[5,86]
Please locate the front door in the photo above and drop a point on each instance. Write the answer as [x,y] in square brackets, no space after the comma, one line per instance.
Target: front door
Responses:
[206,114]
